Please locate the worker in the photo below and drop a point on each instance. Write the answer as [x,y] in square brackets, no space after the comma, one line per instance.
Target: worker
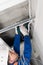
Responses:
[14,55]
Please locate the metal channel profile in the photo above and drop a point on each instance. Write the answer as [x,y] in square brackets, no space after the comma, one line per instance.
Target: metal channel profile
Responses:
[16,24]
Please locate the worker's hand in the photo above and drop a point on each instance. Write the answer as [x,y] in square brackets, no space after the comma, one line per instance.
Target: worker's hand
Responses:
[23,30]
[12,57]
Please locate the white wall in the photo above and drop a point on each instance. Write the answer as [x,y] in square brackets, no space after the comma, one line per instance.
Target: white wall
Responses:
[38,29]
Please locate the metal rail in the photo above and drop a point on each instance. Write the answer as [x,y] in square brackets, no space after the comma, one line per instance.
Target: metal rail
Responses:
[16,24]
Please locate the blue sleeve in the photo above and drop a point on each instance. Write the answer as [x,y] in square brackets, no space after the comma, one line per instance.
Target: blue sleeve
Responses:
[25,59]
[27,48]
[16,44]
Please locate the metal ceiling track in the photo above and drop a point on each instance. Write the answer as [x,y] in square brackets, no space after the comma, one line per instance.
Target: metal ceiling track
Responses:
[16,24]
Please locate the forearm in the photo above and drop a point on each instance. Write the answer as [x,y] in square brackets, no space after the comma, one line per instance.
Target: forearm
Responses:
[16,44]
[27,47]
